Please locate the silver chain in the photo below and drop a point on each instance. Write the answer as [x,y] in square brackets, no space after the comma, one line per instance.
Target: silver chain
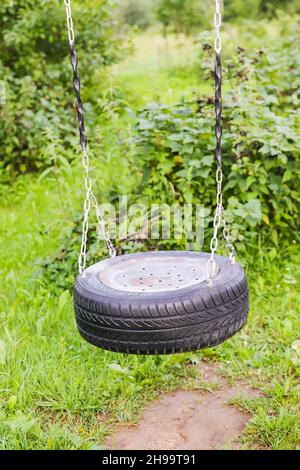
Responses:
[218,23]
[219,216]
[90,198]
[102,227]
[70,27]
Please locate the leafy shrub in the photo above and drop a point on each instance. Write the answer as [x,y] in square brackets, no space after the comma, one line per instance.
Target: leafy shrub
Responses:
[34,66]
[175,144]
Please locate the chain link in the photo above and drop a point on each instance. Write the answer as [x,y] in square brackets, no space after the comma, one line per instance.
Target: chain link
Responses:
[218,23]
[90,198]
[101,226]
[70,27]
[227,237]
[219,216]
[86,210]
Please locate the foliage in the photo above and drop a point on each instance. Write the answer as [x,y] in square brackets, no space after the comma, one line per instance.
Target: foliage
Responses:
[175,144]
[256,8]
[35,69]
[181,16]
[136,13]
[188,16]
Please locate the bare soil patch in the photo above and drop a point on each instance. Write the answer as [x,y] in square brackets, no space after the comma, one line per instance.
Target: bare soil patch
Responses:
[189,420]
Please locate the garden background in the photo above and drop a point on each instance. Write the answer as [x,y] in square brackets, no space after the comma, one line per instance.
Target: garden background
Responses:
[146,69]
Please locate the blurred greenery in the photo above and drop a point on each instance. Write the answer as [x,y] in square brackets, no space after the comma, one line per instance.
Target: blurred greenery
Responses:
[136,13]
[186,16]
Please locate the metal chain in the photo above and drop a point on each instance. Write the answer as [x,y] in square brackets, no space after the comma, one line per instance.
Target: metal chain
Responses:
[70,27]
[227,237]
[89,195]
[219,217]
[86,208]
[102,227]
[218,23]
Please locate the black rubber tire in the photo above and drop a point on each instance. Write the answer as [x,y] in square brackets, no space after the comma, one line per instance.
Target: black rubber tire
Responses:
[191,318]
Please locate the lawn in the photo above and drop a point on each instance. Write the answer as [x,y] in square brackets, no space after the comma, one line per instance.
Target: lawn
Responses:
[56,391]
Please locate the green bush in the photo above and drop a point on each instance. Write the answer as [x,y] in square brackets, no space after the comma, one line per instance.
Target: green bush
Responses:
[188,16]
[175,144]
[36,73]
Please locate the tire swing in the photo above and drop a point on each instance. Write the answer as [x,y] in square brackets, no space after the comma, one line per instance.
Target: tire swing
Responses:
[158,302]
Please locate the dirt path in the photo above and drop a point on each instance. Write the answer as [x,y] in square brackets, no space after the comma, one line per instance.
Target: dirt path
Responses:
[188,420]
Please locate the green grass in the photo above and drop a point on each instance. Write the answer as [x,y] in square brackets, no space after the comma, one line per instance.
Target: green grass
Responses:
[56,391]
